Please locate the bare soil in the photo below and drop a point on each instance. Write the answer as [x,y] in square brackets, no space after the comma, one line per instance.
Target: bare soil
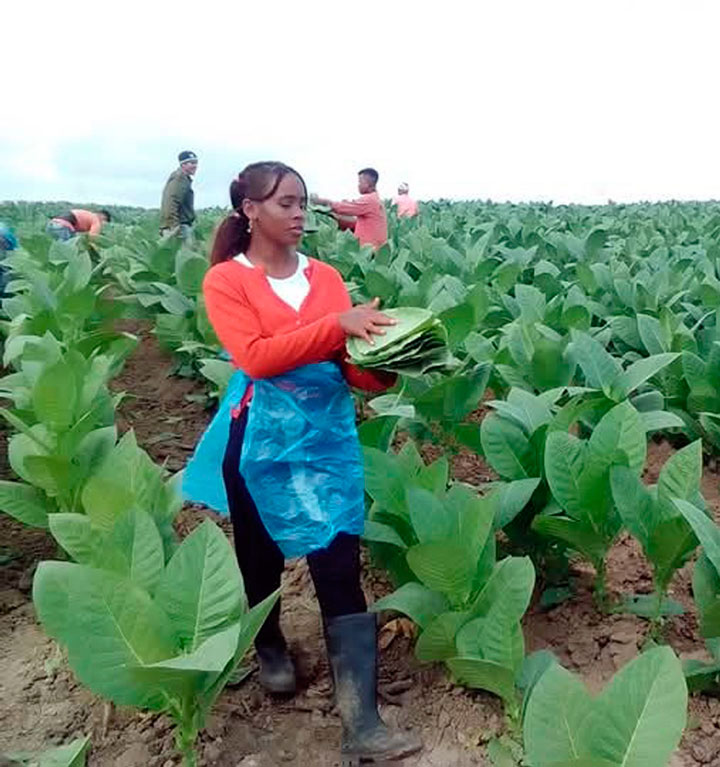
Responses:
[41,703]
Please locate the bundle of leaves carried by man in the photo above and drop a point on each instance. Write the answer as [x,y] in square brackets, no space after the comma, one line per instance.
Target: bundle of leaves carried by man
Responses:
[415,346]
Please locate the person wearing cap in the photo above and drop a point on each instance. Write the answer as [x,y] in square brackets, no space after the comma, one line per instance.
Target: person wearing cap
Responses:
[365,215]
[405,205]
[77,221]
[177,209]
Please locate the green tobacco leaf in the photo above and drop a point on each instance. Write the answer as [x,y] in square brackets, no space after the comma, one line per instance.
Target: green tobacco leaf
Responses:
[378,432]
[564,462]
[138,549]
[652,335]
[191,673]
[660,420]
[385,480]
[24,503]
[640,372]
[54,396]
[75,534]
[641,714]
[71,755]
[707,531]
[681,474]
[416,601]
[108,625]
[377,532]
[670,546]
[601,369]
[430,519]
[201,588]
[646,606]
[511,498]
[482,674]
[455,397]
[619,431]
[505,446]
[556,716]
[437,641]
[443,566]
[634,502]
[576,535]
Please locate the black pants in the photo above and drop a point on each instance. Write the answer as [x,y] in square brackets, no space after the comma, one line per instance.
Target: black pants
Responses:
[335,570]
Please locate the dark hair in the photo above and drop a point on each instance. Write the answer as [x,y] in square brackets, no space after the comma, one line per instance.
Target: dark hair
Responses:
[258,182]
[370,173]
[106,213]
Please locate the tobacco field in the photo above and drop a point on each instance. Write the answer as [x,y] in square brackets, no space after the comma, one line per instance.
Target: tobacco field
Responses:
[541,542]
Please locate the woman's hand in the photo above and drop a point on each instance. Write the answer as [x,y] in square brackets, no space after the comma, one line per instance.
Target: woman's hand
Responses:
[365,320]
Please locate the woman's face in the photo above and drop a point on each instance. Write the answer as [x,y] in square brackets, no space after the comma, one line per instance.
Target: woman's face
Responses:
[281,218]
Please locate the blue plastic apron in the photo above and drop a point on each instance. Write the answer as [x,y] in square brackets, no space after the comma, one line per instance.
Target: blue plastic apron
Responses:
[301,459]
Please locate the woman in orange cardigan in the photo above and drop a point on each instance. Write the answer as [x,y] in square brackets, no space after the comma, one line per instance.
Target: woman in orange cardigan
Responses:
[284,318]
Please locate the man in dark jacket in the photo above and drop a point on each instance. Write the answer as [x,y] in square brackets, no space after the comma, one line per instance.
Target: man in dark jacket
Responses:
[177,210]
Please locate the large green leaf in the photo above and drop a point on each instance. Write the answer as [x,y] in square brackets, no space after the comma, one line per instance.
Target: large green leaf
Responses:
[618,437]
[634,502]
[707,531]
[55,395]
[445,567]
[555,725]
[201,588]
[564,461]
[414,600]
[75,534]
[505,446]
[385,480]
[485,675]
[511,498]
[24,502]
[430,519]
[640,372]
[680,476]
[108,625]
[640,716]
[437,641]
[601,369]
[138,549]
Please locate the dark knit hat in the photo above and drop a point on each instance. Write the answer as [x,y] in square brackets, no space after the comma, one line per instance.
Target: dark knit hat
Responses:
[187,156]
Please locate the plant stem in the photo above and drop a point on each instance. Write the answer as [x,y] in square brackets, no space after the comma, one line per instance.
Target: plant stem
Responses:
[600,587]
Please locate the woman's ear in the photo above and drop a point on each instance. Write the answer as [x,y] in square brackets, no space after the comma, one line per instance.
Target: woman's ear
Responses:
[249,208]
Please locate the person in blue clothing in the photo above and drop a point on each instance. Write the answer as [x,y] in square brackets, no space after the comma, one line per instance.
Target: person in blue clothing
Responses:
[8,242]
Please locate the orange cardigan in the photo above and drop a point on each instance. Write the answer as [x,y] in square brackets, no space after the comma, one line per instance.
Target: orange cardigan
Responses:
[266,337]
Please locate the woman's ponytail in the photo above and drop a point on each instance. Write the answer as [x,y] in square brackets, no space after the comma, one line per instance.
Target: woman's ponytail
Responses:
[233,235]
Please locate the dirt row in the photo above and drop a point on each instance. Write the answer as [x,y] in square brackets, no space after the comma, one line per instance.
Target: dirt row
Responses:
[41,704]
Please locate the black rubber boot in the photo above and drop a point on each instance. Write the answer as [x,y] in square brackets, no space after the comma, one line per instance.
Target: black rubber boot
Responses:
[277,672]
[352,648]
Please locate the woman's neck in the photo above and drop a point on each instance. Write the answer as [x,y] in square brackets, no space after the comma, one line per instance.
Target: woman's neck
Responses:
[277,260]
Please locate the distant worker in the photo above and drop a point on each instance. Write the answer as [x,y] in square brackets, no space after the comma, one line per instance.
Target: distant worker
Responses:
[177,210]
[366,215]
[77,221]
[8,242]
[406,206]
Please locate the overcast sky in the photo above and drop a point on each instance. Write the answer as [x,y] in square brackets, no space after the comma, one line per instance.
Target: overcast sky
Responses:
[575,101]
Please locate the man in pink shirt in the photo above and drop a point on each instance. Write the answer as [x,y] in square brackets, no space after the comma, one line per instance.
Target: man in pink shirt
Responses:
[406,206]
[366,215]
[76,221]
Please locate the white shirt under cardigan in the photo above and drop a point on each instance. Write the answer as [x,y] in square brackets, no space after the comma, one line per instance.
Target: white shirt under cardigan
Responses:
[293,290]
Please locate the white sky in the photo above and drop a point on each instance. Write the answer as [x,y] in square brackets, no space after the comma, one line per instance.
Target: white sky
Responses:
[517,99]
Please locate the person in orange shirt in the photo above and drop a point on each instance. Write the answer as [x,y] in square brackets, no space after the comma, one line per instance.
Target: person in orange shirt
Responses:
[366,215]
[77,221]
[284,318]
[406,206]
